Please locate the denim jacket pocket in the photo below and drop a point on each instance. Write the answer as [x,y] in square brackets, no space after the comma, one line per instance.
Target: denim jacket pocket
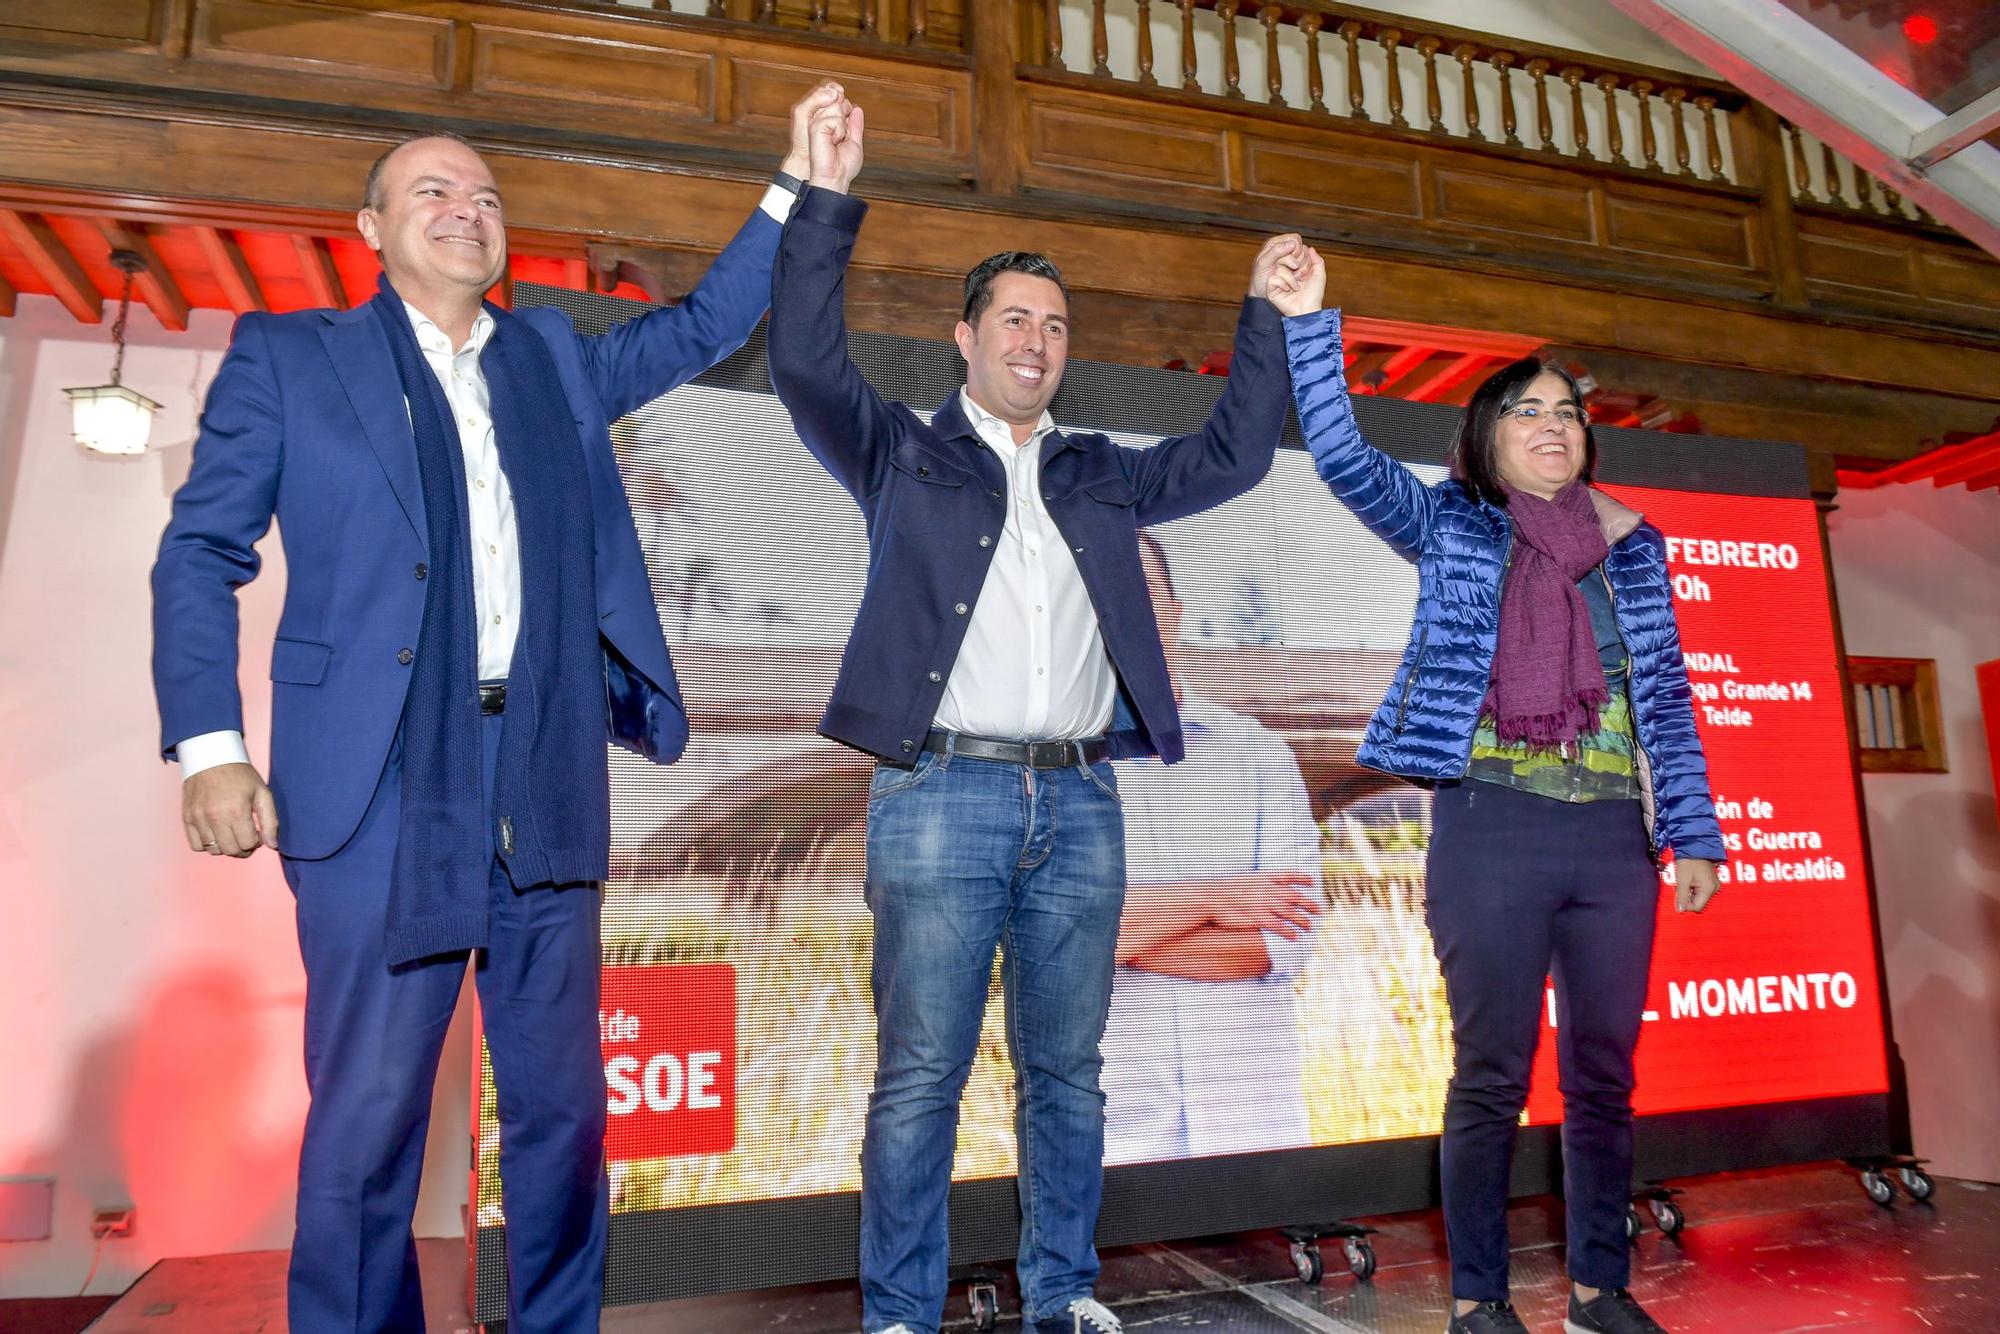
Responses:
[1113,490]
[921,501]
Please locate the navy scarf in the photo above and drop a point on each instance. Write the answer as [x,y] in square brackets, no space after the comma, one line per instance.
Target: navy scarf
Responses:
[551,801]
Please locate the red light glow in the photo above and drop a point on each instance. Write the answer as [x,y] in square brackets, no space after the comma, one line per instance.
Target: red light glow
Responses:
[1921,29]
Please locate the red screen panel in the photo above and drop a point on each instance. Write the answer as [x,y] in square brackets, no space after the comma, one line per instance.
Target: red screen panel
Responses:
[1771,994]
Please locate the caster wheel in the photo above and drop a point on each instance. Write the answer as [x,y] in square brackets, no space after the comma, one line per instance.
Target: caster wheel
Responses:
[1360,1258]
[1306,1260]
[1916,1181]
[1878,1187]
[1668,1217]
[1633,1224]
[985,1302]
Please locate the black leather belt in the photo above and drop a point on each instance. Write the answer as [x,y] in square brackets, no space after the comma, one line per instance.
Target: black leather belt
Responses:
[492,696]
[1034,754]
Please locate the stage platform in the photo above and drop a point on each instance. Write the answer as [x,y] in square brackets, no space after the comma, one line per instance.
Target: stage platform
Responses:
[1790,1250]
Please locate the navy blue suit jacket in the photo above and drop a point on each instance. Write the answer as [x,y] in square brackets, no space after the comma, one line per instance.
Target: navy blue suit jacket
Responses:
[306,423]
[931,491]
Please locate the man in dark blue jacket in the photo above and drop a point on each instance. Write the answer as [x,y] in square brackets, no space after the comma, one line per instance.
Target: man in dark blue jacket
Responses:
[1005,649]
[465,594]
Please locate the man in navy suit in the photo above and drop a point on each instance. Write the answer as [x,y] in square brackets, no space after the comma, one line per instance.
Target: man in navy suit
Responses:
[1004,651]
[467,618]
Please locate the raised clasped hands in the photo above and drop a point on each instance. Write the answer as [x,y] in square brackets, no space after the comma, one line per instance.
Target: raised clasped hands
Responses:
[833,138]
[1290,275]
[798,154]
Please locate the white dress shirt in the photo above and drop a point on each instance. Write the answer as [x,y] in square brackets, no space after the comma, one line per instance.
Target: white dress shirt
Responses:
[1198,1068]
[1033,665]
[496,551]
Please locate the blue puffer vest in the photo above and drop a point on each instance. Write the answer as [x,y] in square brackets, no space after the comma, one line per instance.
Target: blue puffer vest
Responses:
[1423,729]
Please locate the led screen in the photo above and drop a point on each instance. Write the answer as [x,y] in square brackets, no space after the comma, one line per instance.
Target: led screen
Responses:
[736,1027]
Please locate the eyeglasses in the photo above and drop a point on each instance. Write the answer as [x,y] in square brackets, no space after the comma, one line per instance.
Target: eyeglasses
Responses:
[1564,417]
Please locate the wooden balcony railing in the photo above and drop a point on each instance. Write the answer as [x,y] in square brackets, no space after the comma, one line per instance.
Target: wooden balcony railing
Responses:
[1818,175]
[1375,68]
[1361,65]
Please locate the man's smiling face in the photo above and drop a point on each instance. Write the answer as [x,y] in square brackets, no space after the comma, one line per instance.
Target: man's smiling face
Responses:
[436,219]
[1014,356]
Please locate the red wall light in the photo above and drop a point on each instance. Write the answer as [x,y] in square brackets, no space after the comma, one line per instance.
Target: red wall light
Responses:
[1921,29]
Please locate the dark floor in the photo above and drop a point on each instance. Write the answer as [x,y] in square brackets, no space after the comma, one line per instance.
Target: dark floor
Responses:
[50,1315]
[1790,1250]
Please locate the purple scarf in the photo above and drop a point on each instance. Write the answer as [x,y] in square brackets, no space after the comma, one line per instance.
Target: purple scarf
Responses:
[1548,682]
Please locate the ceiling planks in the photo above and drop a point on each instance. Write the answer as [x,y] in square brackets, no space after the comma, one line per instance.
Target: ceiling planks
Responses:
[50,258]
[231,270]
[154,284]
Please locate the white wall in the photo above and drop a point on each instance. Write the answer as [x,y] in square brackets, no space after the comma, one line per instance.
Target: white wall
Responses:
[153,997]
[1918,570]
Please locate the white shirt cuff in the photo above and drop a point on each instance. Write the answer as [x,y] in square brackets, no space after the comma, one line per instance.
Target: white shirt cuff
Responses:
[778,203]
[209,750]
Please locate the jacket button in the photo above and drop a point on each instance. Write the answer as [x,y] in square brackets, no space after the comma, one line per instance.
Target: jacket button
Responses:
[909,746]
[960,609]
[405,656]
[422,569]
[923,472]
[937,676]
[985,541]
[996,495]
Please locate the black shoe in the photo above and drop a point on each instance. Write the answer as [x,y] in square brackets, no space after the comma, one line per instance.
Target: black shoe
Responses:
[1613,1311]
[1487,1318]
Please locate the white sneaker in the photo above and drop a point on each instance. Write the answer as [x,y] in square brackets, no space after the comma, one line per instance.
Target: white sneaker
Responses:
[1093,1317]
[896,1329]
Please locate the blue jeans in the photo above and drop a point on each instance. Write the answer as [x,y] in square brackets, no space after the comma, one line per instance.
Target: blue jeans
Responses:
[1518,886]
[965,856]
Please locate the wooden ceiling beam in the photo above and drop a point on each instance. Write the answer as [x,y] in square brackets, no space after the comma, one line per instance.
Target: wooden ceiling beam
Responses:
[1365,376]
[1500,346]
[154,283]
[45,251]
[232,272]
[1448,377]
[316,266]
[7,297]
[1965,460]
[1404,360]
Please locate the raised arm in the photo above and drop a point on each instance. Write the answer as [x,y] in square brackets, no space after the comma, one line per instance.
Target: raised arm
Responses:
[1386,496]
[642,359]
[838,414]
[1232,451]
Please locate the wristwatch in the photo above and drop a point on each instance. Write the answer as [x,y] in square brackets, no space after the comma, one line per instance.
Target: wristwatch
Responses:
[786,180]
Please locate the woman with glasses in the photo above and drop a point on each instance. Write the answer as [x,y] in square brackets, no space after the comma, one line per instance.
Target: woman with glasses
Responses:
[1544,698]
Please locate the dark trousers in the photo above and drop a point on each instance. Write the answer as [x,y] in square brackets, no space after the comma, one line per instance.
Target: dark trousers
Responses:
[1519,886]
[373,1034]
